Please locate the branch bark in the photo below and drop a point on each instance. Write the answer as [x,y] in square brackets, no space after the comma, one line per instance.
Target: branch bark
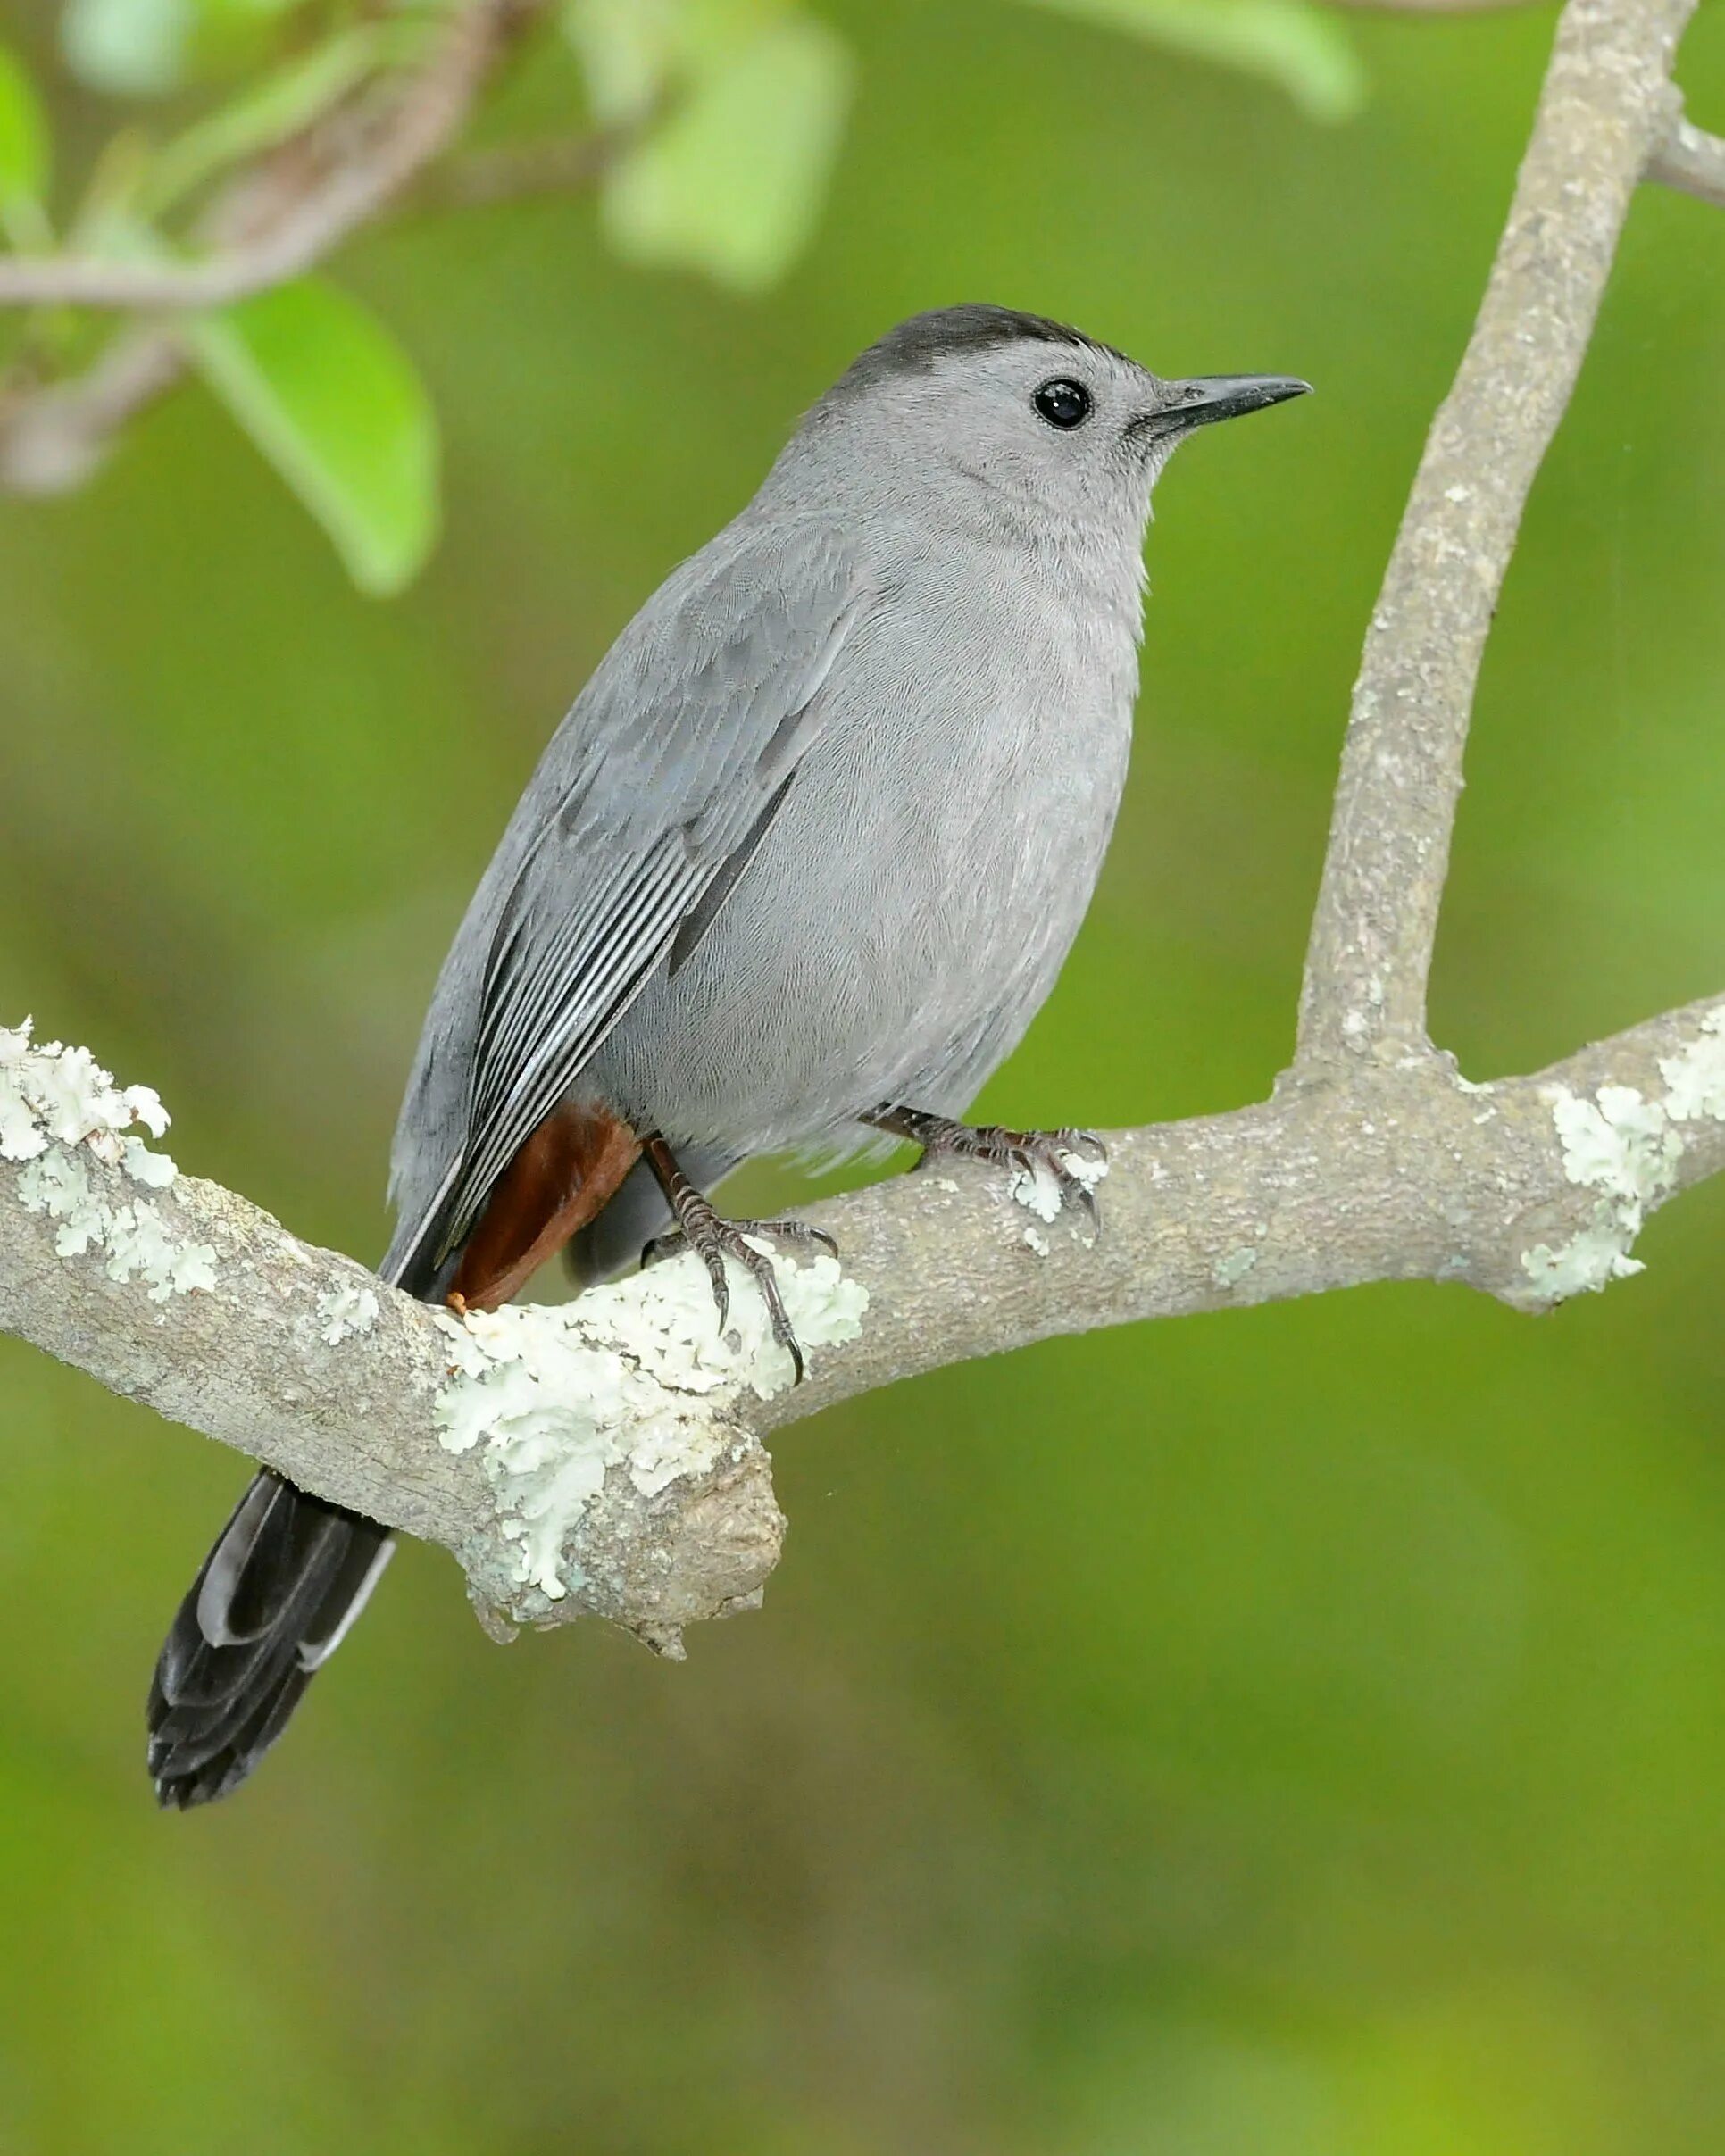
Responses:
[1607,102]
[609,1457]
[1529,1189]
[1692,160]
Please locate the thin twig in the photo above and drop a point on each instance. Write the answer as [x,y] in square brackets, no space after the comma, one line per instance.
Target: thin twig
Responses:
[425,117]
[1607,100]
[565,165]
[1692,160]
[52,438]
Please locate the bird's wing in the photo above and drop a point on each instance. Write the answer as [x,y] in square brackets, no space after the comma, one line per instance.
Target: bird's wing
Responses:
[652,797]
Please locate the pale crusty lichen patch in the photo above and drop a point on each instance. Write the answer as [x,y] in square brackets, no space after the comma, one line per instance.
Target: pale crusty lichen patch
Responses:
[346,1312]
[1626,1146]
[59,1111]
[1694,1077]
[1233,1266]
[631,1375]
[1036,1189]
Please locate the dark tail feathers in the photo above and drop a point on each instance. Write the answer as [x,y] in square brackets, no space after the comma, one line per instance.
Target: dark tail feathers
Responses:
[287,1576]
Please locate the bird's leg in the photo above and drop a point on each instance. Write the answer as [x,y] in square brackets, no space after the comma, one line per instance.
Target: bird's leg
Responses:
[713,1239]
[1053,1150]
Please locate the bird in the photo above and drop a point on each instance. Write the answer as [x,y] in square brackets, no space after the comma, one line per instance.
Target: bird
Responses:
[792,877]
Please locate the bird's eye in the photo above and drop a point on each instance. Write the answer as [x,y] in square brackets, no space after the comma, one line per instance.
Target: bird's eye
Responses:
[1062,404]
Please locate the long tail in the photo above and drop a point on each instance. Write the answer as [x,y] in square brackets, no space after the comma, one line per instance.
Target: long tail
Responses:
[288,1574]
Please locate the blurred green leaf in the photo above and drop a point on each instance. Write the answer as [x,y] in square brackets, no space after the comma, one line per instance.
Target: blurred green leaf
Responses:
[626,48]
[266,112]
[131,49]
[1288,42]
[105,220]
[23,138]
[338,407]
[733,182]
[631,51]
[145,48]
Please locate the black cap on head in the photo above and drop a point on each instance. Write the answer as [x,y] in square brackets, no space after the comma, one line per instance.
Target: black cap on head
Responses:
[920,344]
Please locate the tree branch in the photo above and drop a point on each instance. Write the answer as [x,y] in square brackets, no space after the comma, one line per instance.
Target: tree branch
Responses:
[422,120]
[1692,160]
[608,1456]
[559,164]
[1607,102]
[52,438]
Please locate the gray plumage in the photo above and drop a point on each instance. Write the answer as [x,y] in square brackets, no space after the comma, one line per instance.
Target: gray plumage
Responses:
[817,834]
[820,830]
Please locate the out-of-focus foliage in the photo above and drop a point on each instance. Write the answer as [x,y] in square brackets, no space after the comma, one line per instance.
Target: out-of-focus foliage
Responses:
[148,48]
[1300,47]
[23,137]
[1290,1732]
[733,180]
[270,110]
[335,405]
[734,110]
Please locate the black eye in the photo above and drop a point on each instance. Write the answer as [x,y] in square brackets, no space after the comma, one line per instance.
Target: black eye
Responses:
[1062,404]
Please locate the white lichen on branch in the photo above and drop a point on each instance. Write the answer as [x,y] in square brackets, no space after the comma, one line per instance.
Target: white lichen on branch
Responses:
[1038,1188]
[57,1106]
[346,1312]
[606,1457]
[627,1377]
[1626,1145]
[1695,1077]
[573,1460]
[1621,1145]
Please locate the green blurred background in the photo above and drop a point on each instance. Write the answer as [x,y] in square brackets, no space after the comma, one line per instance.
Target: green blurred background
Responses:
[1289,1733]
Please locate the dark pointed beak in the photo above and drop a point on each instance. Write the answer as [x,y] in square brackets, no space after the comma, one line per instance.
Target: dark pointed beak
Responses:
[1209,397]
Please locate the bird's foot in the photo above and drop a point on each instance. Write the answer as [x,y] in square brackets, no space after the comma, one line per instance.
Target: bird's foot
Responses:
[703,1229]
[1073,1159]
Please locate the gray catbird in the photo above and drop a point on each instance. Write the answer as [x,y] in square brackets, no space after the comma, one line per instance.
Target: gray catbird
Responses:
[797,869]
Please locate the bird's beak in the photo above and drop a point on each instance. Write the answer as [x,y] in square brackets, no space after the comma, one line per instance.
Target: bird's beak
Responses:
[1209,397]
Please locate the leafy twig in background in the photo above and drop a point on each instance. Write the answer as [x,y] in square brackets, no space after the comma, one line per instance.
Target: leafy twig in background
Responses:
[53,437]
[627,1459]
[288,364]
[309,224]
[713,137]
[714,133]
[561,164]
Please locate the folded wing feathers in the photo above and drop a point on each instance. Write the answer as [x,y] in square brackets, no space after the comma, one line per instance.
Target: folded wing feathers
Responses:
[681,742]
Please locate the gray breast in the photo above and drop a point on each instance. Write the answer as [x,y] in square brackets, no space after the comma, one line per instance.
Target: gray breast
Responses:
[911,903]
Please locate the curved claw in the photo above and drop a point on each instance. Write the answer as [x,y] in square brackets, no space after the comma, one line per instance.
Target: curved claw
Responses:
[1028,1152]
[716,1239]
[716,1273]
[767,1280]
